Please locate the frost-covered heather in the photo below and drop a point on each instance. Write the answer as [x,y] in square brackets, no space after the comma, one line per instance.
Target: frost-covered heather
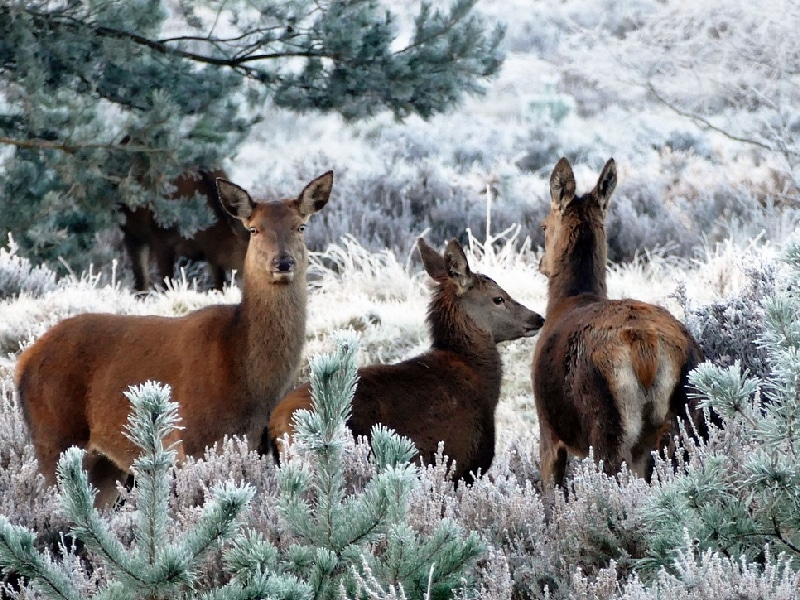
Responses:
[567,88]
[590,547]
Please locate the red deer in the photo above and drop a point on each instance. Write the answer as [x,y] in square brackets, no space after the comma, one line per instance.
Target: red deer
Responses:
[450,392]
[228,365]
[610,374]
[222,245]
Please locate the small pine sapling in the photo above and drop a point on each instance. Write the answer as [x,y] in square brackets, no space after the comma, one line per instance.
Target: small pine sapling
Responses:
[153,567]
[343,537]
[740,493]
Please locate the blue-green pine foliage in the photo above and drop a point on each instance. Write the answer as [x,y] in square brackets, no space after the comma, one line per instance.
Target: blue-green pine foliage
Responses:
[741,491]
[342,534]
[105,102]
[153,566]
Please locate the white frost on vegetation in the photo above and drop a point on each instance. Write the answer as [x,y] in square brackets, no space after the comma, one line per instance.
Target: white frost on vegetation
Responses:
[385,297]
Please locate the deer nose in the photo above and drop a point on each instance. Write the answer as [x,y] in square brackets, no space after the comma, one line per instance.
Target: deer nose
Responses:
[283,263]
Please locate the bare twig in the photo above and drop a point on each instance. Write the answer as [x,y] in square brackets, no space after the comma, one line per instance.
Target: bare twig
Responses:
[70,147]
[703,121]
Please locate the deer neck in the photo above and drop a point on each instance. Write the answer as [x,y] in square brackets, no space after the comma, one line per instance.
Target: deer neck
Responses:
[581,269]
[272,327]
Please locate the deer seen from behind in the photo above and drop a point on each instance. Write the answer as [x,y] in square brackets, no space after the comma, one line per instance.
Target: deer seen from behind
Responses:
[450,392]
[607,374]
[222,245]
[227,365]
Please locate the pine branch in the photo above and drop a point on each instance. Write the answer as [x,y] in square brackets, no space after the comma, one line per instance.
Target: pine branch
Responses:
[779,534]
[234,63]
[73,147]
[17,553]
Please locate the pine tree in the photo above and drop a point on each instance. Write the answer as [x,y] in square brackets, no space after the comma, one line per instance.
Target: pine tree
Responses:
[152,567]
[741,492]
[342,539]
[182,82]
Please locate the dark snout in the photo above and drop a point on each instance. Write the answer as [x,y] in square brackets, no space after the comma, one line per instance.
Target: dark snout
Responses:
[518,322]
[283,263]
[283,267]
[534,324]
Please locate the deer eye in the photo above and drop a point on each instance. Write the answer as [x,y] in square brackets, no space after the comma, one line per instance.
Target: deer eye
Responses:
[498,300]
[253,230]
[301,229]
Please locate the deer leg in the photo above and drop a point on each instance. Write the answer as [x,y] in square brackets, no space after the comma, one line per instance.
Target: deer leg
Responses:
[652,438]
[610,434]
[51,438]
[612,456]
[103,475]
[165,258]
[139,254]
[552,457]
[173,441]
[217,275]
[48,459]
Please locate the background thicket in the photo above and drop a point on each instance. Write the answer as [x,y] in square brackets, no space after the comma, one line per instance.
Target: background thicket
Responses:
[694,102]
[103,103]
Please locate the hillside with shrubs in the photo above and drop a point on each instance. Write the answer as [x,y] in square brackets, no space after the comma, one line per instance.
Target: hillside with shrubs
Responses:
[693,100]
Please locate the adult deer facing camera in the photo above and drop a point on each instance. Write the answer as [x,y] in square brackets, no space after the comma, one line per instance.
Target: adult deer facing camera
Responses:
[610,374]
[228,365]
[450,392]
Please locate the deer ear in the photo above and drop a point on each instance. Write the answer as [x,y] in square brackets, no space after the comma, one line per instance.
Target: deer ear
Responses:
[234,199]
[606,184]
[315,195]
[562,185]
[431,260]
[457,267]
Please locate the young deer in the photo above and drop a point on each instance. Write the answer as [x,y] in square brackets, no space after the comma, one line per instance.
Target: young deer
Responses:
[222,245]
[610,374]
[449,393]
[228,365]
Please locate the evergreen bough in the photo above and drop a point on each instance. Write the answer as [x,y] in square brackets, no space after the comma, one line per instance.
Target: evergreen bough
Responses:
[183,82]
[740,494]
[346,538]
[152,567]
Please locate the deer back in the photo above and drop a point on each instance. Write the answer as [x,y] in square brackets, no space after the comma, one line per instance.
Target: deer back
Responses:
[222,245]
[610,374]
[449,393]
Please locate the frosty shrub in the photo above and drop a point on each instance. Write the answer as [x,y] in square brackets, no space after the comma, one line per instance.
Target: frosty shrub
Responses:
[390,208]
[153,566]
[18,275]
[542,148]
[23,492]
[697,575]
[545,547]
[728,329]
[641,219]
[739,493]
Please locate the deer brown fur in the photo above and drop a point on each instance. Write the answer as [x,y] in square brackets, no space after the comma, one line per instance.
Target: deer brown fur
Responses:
[610,374]
[222,245]
[228,365]
[450,392]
